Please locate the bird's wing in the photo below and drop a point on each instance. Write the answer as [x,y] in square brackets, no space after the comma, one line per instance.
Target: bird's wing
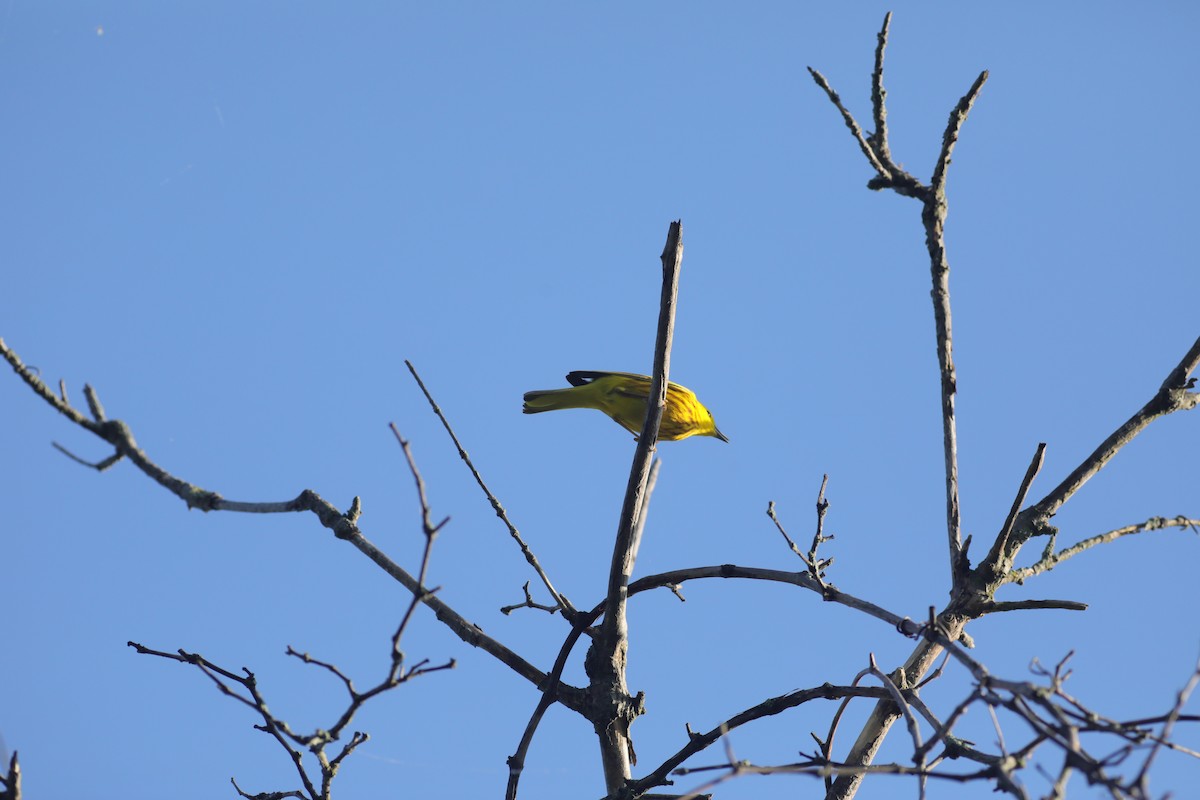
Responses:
[581,377]
[629,384]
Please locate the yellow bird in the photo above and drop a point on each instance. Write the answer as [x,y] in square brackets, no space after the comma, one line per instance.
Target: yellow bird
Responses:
[623,395]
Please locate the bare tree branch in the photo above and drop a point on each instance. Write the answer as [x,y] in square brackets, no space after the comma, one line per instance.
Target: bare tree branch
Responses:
[1173,395]
[266,795]
[516,762]
[775,705]
[1181,699]
[879,139]
[816,566]
[342,525]
[914,730]
[606,660]
[59,404]
[568,609]
[644,511]
[1050,559]
[99,466]
[855,130]
[998,606]
[1048,716]
[277,728]
[1035,466]
[933,215]
[529,603]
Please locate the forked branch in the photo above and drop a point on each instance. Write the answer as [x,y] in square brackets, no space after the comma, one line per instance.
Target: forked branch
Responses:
[344,525]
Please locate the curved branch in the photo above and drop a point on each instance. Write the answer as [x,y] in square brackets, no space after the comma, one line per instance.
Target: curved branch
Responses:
[828,592]
[775,705]
[343,525]
[805,580]
[516,762]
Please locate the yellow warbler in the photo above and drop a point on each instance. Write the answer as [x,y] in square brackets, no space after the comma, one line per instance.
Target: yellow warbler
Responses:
[622,395]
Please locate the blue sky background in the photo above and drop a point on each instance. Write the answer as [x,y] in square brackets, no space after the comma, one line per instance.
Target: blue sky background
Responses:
[237,220]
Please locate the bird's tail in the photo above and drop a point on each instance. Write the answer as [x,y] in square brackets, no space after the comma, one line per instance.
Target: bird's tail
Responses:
[555,399]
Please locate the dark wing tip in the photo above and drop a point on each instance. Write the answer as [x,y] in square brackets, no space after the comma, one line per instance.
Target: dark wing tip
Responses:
[581,377]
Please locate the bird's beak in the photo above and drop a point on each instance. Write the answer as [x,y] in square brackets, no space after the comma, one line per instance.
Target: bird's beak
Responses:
[720,435]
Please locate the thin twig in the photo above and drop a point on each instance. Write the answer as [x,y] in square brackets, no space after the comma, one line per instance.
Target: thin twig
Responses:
[565,604]
[344,525]
[819,537]
[816,566]
[998,606]
[942,732]
[950,137]
[848,118]
[1035,466]
[99,466]
[271,795]
[879,95]
[827,745]
[791,544]
[516,762]
[775,705]
[898,698]
[272,725]
[529,603]
[1181,699]
[39,387]
[430,531]
[1051,559]
[644,511]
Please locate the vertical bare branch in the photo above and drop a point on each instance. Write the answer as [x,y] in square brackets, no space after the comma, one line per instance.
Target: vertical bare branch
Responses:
[879,95]
[606,659]
[516,762]
[933,215]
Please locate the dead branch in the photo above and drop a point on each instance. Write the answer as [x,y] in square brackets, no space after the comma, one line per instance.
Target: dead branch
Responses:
[532,559]
[605,664]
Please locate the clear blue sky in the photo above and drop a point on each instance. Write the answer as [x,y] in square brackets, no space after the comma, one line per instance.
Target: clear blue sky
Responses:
[237,220]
